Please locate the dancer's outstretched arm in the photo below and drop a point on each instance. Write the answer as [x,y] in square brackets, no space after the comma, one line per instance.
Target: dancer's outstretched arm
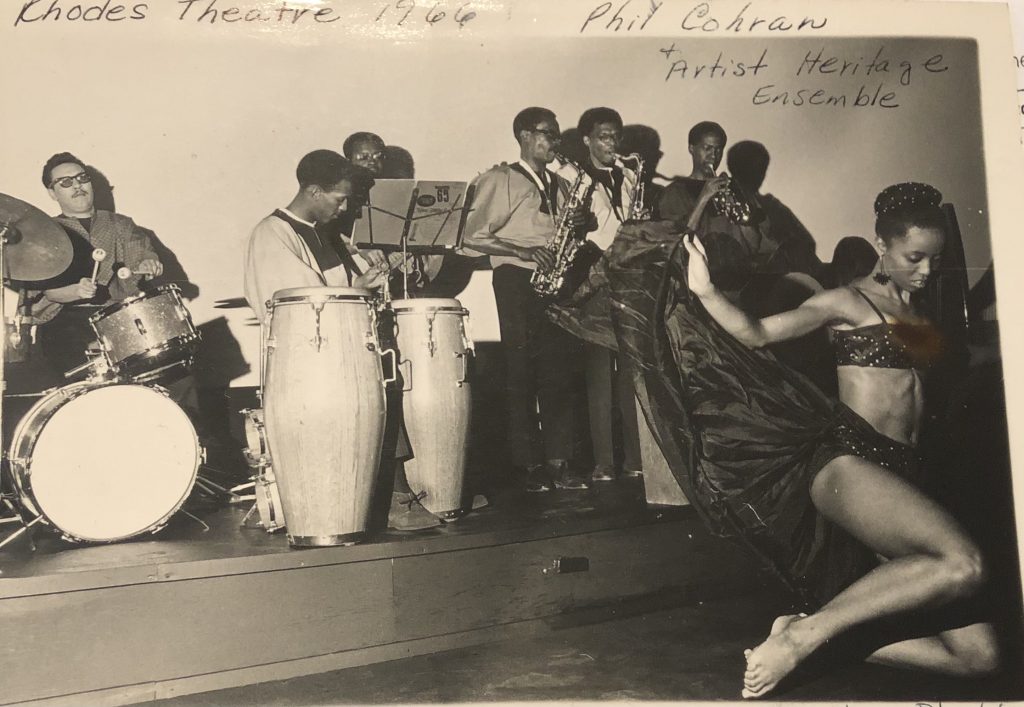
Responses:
[828,307]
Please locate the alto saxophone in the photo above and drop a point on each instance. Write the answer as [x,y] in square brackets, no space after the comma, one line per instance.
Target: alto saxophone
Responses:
[731,203]
[637,211]
[565,244]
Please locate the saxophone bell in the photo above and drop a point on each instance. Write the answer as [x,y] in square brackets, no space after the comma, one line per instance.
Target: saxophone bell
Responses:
[637,210]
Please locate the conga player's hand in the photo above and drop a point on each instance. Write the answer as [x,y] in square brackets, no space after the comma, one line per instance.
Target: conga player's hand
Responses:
[371,279]
[374,257]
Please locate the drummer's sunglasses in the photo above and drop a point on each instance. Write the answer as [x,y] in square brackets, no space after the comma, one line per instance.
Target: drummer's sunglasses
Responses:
[65,182]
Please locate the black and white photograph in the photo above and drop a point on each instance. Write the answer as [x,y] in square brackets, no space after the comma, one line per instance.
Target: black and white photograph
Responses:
[489,351]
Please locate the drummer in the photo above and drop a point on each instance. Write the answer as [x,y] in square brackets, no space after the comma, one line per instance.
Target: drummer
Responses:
[286,250]
[62,302]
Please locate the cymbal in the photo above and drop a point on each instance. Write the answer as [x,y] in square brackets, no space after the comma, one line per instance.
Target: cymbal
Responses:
[37,247]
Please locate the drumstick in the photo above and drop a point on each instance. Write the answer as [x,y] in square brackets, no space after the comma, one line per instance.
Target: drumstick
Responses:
[98,254]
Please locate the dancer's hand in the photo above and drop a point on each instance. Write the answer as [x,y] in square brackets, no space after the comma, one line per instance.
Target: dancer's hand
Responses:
[697,269]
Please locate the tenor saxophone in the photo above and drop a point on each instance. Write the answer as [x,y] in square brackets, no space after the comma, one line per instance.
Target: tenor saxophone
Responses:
[637,210]
[565,244]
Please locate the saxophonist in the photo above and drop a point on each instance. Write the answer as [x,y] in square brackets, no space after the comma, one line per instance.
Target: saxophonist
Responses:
[617,197]
[513,221]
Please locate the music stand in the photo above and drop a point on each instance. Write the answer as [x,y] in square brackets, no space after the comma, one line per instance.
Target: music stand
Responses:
[413,216]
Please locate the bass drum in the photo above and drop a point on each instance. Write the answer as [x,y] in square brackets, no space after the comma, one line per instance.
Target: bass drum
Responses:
[324,407]
[105,462]
[434,350]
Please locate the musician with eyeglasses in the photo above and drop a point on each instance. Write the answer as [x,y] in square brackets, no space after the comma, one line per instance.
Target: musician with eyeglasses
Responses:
[513,220]
[369,151]
[612,202]
[60,303]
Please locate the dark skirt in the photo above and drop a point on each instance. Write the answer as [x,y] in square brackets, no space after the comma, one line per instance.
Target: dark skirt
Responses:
[743,434]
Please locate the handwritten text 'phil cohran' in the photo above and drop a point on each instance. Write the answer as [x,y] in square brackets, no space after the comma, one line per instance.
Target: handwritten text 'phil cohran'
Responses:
[634,16]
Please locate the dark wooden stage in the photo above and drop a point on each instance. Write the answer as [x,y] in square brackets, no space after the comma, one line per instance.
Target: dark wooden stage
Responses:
[194,609]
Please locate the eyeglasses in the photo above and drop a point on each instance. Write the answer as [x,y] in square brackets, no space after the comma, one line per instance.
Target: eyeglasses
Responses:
[552,135]
[66,182]
[367,156]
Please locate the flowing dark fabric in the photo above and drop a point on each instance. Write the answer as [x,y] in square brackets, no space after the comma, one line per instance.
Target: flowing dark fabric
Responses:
[743,434]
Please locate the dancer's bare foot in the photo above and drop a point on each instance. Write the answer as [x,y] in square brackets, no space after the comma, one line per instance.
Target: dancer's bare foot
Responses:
[772,660]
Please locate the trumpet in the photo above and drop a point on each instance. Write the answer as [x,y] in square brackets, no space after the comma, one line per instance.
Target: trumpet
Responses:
[731,203]
[637,211]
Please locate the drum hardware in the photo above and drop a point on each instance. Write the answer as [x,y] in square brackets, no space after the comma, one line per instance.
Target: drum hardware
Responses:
[317,340]
[66,487]
[464,359]
[262,482]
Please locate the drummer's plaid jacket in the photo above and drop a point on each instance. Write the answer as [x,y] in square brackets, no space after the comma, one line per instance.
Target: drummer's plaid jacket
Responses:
[126,245]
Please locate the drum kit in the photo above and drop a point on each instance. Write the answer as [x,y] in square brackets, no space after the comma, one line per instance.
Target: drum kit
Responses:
[111,457]
[315,447]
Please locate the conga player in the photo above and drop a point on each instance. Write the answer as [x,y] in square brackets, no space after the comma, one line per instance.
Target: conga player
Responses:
[286,250]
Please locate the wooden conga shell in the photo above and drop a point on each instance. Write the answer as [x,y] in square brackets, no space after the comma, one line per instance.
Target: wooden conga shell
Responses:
[434,351]
[324,411]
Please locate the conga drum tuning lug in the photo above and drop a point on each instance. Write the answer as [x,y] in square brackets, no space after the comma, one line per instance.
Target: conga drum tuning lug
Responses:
[463,359]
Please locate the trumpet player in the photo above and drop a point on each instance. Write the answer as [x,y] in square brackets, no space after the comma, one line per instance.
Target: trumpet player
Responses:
[733,238]
[513,221]
[617,197]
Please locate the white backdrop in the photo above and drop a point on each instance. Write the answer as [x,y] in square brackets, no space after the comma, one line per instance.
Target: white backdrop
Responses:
[200,131]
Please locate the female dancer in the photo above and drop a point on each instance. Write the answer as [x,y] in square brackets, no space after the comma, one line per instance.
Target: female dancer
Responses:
[864,463]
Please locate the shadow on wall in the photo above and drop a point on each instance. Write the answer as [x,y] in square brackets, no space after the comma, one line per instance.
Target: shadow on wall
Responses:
[174,272]
[398,163]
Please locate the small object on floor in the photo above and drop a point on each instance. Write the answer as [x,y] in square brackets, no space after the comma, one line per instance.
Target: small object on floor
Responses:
[479,501]
[602,472]
[564,478]
[407,513]
[537,479]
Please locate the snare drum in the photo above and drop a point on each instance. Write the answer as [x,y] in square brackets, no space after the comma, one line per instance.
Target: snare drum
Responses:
[104,462]
[324,408]
[145,336]
[434,350]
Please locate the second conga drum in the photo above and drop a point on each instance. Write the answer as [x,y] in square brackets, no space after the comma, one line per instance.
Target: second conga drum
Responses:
[324,411]
[434,350]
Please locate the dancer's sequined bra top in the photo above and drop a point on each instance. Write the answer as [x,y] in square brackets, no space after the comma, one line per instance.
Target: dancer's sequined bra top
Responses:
[886,344]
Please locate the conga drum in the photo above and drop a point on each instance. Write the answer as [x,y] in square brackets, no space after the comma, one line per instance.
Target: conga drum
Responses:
[324,411]
[434,350]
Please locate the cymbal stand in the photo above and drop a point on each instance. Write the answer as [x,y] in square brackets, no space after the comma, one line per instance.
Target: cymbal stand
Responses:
[6,231]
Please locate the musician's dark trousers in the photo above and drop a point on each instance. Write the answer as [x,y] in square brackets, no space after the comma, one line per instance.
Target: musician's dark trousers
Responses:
[602,374]
[539,363]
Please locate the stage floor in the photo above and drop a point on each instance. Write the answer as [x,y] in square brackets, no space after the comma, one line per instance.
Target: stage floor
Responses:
[214,536]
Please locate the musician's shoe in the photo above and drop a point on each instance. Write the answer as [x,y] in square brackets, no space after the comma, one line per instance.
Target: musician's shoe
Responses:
[632,473]
[407,513]
[602,472]
[538,479]
[563,476]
